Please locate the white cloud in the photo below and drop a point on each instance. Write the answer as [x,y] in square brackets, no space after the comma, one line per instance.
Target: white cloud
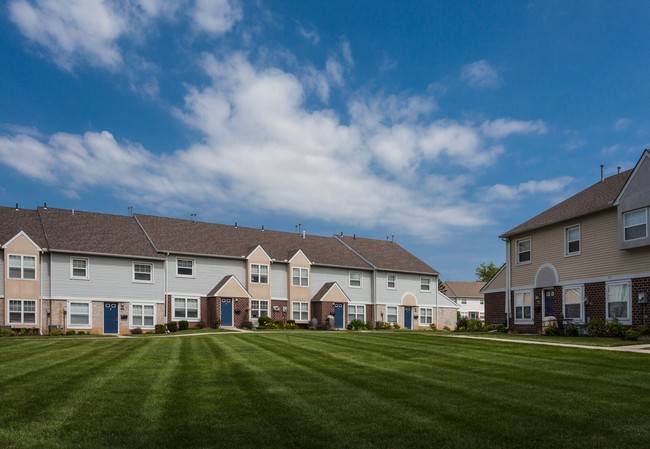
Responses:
[480,74]
[502,192]
[622,124]
[310,33]
[216,16]
[500,128]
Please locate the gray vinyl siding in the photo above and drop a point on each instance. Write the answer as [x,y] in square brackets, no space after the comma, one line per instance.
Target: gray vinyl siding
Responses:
[600,256]
[406,283]
[109,278]
[322,275]
[279,281]
[45,275]
[208,272]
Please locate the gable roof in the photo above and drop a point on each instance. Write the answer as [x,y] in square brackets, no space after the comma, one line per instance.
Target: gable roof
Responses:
[645,155]
[95,233]
[13,221]
[598,197]
[460,289]
[325,293]
[386,255]
[226,281]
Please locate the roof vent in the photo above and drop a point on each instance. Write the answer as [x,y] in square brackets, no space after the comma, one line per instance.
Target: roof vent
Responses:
[303,234]
[602,171]
[235,225]
[262,227]
[130,209]
[618,170]
[193,218]
[16,206]
[45,205]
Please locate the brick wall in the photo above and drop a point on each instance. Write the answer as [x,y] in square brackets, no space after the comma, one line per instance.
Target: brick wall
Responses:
[494,308]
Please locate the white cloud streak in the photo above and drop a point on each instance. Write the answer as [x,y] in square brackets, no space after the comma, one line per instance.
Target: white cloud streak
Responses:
[502,192]
[480,75]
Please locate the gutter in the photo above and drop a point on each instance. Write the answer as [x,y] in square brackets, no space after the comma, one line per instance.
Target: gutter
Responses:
[508,281]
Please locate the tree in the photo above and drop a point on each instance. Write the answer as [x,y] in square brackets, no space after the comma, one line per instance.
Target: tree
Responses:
[485,272]
[441,287]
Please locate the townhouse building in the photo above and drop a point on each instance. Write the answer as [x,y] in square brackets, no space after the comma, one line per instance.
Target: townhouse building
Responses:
[586,257]
[110,274]
[468,296]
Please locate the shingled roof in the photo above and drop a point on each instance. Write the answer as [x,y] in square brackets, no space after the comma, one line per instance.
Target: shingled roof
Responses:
[463,289]
[14,220]
[387,255]
[598,197]
[201,238]
[95,233]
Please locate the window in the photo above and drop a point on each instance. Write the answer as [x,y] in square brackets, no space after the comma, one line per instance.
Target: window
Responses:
[78,268]
[79,314]
[186,309]
[356,312]
[185,268]
[573,303]
[259,274]
[355,279]
[391,314]
[426,316]
[142,272]
[482,301]
[463,301]
[523,251]
[524,306]
[300,311]
[572,241]
[22,267]
[618,301]
[259,308]
[142,315]
[300,277]
[22,312]
[481,316]
[636,224]
[472,315]
[391,281]
[425,284]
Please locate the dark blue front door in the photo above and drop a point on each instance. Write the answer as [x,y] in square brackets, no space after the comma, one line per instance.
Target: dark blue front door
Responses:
[110,318]
[408,317]
[226,312]
[549,298]
[338,316]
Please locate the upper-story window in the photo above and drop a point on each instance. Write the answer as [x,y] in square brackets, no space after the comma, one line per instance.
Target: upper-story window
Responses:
[185,267]
[572,241]
[300,277]
[259,274]
[391,281]
[523,251]
[425,284]
[355,279]
[636,224]
[142,272]
[22,267]
[78,268]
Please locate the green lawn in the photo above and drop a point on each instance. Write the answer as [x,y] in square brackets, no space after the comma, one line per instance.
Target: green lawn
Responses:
[318,389]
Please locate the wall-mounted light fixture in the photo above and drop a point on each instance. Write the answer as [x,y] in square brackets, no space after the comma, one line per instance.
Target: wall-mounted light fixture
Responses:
[642,297]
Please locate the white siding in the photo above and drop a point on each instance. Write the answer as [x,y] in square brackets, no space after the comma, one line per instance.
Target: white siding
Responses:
[322,275]
[208,271]
[2,270]
[406,283]
[45,275]
[279,281]
[109,278]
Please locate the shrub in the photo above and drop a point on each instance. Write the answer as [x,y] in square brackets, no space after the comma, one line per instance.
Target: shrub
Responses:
[82,333]
[291,321]
[291,325]
[615,329]
[53,332]
[183,325]
[356,325]
[446,328]
[571,330]
[217,324]
[172,326]
[396,326]
[247,325]
[68,332]
[161,328]
[501,328]
[369,326]
[461,323]
[433,327]
[201,324]
[474,325]
[632,334]
[263,321]
[136,331]
[552,330]
[596,327]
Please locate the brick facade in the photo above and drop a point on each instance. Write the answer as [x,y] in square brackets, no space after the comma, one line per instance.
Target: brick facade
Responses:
[495,308]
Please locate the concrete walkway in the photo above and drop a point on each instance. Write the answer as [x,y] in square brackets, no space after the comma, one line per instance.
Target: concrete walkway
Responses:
[641,348]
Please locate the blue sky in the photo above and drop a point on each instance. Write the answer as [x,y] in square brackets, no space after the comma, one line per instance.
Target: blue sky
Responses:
[443,124]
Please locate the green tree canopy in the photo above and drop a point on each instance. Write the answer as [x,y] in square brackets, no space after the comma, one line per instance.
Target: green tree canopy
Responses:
[485,272]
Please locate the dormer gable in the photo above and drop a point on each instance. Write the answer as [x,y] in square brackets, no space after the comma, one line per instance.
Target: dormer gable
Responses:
[331,292]
[19,241]
[299,259]
[229,287]
[633,207]
[259,255]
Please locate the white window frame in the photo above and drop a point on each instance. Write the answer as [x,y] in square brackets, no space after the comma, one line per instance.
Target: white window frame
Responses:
[298,307]
[303,275]
[86,268]
[22,312]
[394,281]
[529,251]
[628,301]
[143,315]
[71,312]
[422,284]
[426,316]
[260,276]
[256,306]
[351,280]
[186,309]
[193,267]
[567,241]
[356,313]
[21,267]
[645,223]
[388,314]
[519,303]
[142,281]
[581,290]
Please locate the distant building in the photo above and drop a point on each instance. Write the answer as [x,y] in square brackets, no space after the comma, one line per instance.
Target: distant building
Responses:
[468,296]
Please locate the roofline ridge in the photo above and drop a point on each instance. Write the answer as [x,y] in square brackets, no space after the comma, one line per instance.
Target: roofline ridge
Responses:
[146,234]
[372,265]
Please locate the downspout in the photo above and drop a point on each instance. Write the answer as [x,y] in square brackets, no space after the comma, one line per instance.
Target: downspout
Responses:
[374,296]
[436,299]
[508,282]
[166,289]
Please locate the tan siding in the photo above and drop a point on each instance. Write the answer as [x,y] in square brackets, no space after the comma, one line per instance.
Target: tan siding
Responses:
[600,256]
[259,291]
[498,282]
[22,288]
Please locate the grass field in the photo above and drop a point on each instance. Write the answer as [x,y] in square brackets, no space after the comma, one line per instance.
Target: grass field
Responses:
[318,389]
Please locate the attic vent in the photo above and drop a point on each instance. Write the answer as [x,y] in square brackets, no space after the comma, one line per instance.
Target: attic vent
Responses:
[16,206]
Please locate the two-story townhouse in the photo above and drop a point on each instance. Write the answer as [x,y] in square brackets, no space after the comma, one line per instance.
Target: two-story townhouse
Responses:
[586,257]
[468,296]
